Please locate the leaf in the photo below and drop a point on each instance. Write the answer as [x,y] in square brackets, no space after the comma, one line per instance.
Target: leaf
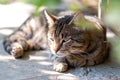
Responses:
[39,3]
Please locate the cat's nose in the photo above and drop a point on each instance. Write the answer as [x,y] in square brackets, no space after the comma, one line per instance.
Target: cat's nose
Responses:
[56,48]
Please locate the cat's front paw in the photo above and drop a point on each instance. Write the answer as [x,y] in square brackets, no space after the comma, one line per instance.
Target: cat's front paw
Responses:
[17,50]
[60,67]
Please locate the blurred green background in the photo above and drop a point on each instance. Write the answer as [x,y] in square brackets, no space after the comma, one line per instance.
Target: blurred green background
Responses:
[37,3]
[111,8]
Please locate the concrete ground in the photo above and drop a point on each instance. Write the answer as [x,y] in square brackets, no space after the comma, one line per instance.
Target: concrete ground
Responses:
[37,65]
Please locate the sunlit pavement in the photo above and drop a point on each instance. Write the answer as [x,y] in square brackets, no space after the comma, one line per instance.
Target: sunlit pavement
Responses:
[37,65]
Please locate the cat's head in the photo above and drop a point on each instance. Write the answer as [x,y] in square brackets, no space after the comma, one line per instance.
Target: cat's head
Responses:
[64,37]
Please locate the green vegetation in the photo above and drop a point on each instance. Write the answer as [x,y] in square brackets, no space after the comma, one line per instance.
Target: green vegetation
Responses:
[112,15]
[38,3]
[5,1]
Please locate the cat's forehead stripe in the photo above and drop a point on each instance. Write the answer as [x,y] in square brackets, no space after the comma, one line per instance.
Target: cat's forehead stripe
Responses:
[61,23]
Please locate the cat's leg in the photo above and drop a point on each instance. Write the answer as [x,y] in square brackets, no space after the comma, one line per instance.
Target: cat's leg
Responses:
[60,64]
[16,47]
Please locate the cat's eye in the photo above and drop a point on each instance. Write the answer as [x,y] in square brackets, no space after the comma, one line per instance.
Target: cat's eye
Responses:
[66,40]
[51,39]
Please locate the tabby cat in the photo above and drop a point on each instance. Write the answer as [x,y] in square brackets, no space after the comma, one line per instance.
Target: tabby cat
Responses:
[74,39]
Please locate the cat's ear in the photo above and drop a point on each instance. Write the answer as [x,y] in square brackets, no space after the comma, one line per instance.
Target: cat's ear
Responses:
[76,15]
[50,18]
[86,21]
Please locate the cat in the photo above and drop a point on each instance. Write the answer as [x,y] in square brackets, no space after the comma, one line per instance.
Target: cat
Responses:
[74,39]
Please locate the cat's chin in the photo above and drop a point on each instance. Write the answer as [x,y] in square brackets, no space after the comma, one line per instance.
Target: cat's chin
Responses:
[59,54]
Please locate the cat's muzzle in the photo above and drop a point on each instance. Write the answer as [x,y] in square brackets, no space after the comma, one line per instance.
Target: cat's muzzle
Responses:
[60,53]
